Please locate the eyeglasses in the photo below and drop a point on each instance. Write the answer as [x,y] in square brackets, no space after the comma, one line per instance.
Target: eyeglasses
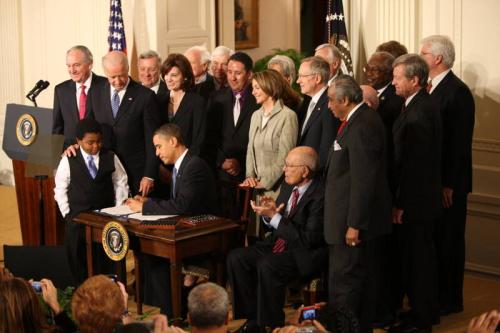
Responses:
[305,75]
[294,166]
[372,69]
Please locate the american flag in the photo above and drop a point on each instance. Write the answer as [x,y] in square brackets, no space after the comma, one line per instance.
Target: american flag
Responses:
[116,38]
[337,33]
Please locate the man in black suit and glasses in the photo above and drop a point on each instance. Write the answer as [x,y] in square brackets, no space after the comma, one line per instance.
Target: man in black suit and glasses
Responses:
[417,199]
[295,250]
[357,201]
[456,105]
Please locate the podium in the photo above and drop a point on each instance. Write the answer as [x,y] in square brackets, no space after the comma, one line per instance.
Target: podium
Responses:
[35,154]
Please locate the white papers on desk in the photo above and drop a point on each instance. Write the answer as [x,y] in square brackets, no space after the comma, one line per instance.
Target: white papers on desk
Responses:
[141,217]
[118,210]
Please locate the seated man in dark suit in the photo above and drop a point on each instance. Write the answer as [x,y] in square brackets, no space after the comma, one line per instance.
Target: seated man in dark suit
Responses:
[295,250]
[193,186]
[193,192]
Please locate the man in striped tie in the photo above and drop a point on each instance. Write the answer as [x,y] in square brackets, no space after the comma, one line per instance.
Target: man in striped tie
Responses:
[294,250]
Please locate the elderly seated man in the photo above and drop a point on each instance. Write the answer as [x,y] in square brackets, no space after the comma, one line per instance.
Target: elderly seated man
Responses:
[295,250]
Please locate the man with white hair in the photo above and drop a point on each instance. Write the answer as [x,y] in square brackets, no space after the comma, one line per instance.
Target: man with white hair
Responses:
[332,56]
[218,65]
[199,58]
[456,104]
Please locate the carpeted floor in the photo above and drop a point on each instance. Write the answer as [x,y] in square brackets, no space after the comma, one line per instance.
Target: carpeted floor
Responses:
[481,293]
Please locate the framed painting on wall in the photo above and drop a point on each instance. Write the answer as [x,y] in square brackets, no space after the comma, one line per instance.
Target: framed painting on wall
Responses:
[246,24]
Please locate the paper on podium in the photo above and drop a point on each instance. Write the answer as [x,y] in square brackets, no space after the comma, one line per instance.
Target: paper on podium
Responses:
[117,210]
[140,217]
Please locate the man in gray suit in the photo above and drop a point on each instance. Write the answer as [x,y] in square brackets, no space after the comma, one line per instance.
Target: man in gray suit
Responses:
[357,200]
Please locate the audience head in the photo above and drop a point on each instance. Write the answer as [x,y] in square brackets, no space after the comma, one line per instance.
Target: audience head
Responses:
[438,52]
[115,65]
[199,58]
[410,73]
[168,143]
[218,65]
[370,96]
[177,73]
[378,70]
[344,94]
[314,73]
[20,309]
[98,305]
[149,68]
[283,65]
[239,71]
[88,136]
[208,306]
[393,47]
[79,61]
[301,165]
[332,55]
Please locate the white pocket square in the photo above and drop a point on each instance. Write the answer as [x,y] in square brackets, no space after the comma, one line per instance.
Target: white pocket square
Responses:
[336,146]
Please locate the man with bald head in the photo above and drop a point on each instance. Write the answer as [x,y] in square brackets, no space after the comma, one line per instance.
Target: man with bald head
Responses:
[70,96]
[295,249]
[129,115]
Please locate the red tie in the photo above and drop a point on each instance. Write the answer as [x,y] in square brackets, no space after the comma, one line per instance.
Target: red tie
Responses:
[341,127]
[429,86]
[280,243]
[82,103]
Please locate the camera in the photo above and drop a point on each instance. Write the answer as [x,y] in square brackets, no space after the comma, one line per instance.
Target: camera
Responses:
[113,277]
[37,286]
[309,313]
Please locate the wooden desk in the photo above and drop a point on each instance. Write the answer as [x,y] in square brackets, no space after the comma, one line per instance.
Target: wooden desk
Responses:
[174,245]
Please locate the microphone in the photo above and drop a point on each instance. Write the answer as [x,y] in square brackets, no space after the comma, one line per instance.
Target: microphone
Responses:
[42,87]
[37,86]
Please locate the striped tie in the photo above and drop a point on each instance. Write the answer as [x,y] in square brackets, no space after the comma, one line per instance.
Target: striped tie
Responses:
[280,243]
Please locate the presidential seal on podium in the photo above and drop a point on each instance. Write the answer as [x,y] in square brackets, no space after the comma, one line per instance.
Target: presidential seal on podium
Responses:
[115,240]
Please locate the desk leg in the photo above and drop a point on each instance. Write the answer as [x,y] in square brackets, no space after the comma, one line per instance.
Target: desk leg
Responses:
[175,285]
[138,284]
[88,241]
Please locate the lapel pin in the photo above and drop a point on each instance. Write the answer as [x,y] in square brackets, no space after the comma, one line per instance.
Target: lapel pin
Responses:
[130,98]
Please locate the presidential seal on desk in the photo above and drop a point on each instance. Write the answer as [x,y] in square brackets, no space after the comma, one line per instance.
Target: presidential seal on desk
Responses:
[115,240]
[26,129]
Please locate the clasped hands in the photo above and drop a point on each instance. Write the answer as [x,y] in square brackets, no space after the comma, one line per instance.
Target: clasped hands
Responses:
[267,207]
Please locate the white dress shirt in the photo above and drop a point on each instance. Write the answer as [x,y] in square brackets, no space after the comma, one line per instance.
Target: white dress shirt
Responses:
[63,179]
[154,88]
[275,221]
[121,93]
[312,106]
[437,79]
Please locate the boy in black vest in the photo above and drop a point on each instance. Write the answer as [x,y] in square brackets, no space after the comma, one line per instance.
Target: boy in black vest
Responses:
[93,179]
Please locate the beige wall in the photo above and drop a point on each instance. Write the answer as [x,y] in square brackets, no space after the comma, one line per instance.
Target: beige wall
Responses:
[473,27]
[279,27]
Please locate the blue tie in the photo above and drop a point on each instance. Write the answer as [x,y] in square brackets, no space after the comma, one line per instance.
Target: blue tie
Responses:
[91,166]
[115,103]
[174,178]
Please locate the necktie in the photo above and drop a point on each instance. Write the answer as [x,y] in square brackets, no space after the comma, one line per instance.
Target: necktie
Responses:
[308,115]
[82,102]
[91,166]
[236,109]
[115,103]
[280,243]
[429,86]
[174,179]
[341,127]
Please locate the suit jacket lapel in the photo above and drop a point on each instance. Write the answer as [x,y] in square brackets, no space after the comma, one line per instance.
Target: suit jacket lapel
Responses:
[178,179]
[245,108]
[183,107]
[127,100]
[316,112]
[305,198]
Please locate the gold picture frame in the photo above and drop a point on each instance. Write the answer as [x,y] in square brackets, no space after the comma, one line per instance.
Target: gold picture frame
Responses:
[246,24]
